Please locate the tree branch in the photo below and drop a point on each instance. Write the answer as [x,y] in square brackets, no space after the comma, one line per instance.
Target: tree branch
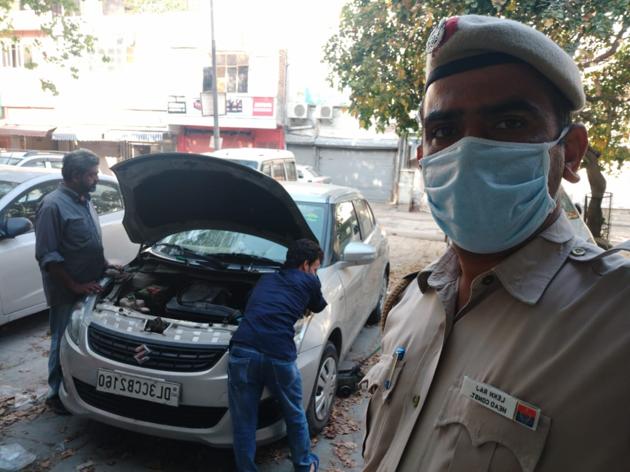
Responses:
[613,49]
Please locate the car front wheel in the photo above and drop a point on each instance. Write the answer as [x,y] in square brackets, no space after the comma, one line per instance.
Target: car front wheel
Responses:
[323,395]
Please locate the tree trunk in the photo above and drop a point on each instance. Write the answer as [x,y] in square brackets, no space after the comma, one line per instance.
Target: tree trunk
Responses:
[593,216]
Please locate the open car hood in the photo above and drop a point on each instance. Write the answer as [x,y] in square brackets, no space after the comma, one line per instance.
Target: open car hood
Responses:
[167,193]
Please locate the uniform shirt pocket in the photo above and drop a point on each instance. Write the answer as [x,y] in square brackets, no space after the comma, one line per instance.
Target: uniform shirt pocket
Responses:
[373,382]
[382,377]
[77,233]
[485,435]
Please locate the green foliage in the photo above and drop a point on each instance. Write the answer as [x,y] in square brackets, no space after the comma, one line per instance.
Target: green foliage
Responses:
[378,54]
[59,23]
[154,6]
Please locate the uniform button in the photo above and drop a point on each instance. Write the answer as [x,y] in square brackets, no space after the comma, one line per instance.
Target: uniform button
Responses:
[488,279]
[578,251]
[415,400]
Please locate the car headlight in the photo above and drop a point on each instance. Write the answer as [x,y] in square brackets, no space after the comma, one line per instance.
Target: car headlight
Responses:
[74,325]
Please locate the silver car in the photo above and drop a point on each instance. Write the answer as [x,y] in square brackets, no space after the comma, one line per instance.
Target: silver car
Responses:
[21,191]
[149,354]
[26,158]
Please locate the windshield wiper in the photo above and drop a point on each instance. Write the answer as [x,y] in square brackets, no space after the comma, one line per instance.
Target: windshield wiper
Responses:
[191,255]
[249,258]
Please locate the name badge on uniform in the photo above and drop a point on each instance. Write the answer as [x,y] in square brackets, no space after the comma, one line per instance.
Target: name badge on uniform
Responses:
[500,402]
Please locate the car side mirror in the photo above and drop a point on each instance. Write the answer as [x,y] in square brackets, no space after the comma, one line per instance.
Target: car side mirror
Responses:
[358,253]
[13,227]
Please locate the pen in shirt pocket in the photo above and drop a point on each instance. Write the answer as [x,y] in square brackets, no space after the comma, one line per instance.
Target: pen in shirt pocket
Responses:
[398,355]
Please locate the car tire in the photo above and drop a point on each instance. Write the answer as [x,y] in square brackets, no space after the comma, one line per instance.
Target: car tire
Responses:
[376,314]
[323,394]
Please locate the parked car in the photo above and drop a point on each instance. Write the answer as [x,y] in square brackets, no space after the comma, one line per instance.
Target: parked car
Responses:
[149,353]
[26,158]
[21,191]
[309,174]
[278,164]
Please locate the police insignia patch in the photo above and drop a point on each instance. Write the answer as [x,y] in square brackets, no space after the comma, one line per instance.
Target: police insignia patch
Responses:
[435,38]
[441,33]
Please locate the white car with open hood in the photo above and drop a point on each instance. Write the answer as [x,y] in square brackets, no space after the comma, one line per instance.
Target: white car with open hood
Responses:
[149,354]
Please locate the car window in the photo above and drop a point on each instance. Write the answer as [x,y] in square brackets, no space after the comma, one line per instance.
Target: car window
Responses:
[10,158]
[366,220]
[278,170]
[6,186]
[300,174]
[245,162]
[266,169]
[315,216]
[346,227]
[35,163]
[56,164]
[106,198]
[290,168]
[25,206]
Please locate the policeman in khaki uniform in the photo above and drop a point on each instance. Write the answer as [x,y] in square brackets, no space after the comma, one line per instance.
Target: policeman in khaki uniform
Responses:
[511,352]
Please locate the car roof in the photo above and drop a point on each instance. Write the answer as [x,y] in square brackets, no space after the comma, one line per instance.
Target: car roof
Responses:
[43,155]
[30,153]
[23,174]
[251,154]
[319,193]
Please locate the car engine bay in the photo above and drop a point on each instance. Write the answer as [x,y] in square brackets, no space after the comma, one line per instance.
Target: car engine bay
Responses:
[164,292]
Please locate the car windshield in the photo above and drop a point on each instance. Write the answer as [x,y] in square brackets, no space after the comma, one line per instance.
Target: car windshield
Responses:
[245,162]
[6,186]
[212,241]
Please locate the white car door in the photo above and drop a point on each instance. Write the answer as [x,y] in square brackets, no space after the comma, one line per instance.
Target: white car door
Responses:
[21,289]
[346,230]
[373,273]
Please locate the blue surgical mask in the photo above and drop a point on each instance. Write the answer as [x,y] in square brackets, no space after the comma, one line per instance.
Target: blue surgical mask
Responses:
[488,196]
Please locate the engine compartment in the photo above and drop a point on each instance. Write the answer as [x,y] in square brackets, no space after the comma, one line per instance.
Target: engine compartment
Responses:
[174,294]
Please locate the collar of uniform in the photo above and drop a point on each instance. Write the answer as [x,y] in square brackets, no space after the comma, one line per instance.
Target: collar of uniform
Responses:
[441,272]
[75,196]
[527,273]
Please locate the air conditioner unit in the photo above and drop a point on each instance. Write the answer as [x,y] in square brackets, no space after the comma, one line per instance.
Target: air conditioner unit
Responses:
[297,110]
[325,112]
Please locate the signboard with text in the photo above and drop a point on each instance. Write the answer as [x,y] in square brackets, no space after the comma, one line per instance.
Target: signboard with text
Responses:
[262,106]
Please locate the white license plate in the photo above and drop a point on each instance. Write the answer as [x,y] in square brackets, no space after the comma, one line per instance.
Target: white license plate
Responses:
[151,390]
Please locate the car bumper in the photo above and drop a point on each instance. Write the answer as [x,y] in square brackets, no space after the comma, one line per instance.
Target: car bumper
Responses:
[202,415]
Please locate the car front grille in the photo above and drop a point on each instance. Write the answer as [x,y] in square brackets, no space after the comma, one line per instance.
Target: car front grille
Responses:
[198,417]
[173,357]
[184,416]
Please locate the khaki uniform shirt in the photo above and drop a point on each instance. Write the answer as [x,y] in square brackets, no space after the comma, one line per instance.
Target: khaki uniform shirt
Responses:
[548,328]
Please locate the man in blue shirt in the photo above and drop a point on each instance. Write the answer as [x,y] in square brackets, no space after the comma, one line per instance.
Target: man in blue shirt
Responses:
[69,250]
[262,353]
